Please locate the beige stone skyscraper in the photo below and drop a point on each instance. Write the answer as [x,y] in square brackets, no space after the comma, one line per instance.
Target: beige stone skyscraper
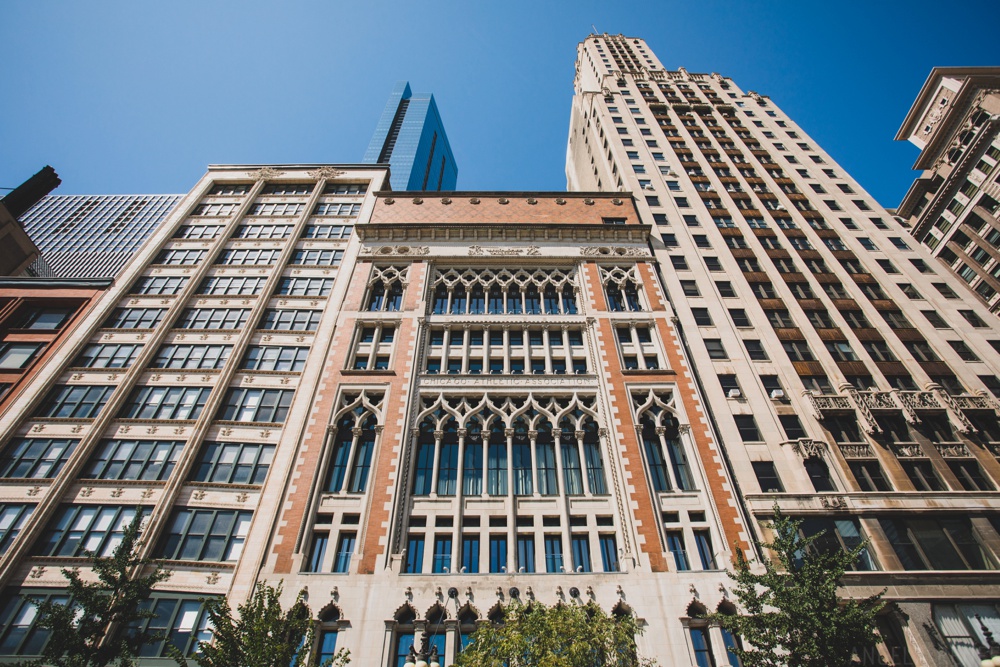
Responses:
[849,376]
[952,207]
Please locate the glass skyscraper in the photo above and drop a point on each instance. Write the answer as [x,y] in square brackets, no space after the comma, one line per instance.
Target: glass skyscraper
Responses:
[410,138]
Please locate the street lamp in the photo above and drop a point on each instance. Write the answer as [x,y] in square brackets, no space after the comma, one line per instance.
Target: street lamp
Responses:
[426,657]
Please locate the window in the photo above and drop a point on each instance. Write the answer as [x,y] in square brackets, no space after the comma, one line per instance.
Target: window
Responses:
[327,231]
[133,460]
[909,290]
[715,349]
[898,243]
[702,646]
[767,477]
[326,208]
[198,231]
[159,285]
[972,318]
[12,518]
[290,320]
[214,210]
[166,403]
[819,474]
[345,189]
[679,262]
[233,463]
[970,475]
[730,386]
[675,543]
[701,241]
[868,474]
[18,355]
[963,350]
[701,317]
[275,358]
[792,427]
[841,351]
[345,549]
[20,634]
[553,554]
[739,317]
[936,543]
[244,256]
[35,458]
[801,290]
[414,554]
[191,356]
[798,350]
[835,291]
[922,267]
[317,552]
[895,319]
[232,285]
[107,355]
[755,350]
[922,475]
[263,231]
[470,554]
[747,427]
[498,554]
[879,351]
[179,257]
[256,405]
[935,319]
[275,209]
[525,553]
[669,240]
[75,401]
[213,318]
[690,288]
[183,621]
[305,286]
[205,535]
[78,529]
[763,290]
[779,319]
[725,288]
[134,318]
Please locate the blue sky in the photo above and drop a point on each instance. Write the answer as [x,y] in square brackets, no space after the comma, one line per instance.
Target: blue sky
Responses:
[138,97]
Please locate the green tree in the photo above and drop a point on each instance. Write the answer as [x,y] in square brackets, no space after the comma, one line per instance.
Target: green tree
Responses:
[562,635]
[792,615]
[97,626]
[263,635]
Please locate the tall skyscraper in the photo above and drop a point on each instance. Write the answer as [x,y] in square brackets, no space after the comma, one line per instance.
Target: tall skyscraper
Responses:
[93,236]
[952,207]
[848,373]
[410,138]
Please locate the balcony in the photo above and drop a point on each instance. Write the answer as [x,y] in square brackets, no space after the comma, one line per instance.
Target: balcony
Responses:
[919,400]
[829,403]
[856,450]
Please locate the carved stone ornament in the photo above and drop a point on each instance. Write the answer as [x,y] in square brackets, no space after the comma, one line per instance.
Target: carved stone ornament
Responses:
[326,172]
[833,502]
[386,250]
[616,201]
[532,201]
[264,173]
[418,201]
[588,202]
[503,201]
[616,251]
[808,448]
[474,200]
[561,201]
[212,579]
[389,201]
[446,200]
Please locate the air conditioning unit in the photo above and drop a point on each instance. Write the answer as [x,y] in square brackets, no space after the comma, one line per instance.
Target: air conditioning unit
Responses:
[777,393]
[648,186]
[734,393]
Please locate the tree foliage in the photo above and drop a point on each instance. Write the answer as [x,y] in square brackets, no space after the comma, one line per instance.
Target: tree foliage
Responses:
[97,626]
[262,635]
[791,614]
[562,635]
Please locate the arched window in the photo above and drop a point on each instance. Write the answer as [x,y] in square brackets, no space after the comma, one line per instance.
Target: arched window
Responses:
[478,291]
[385,289]
[496,460]
[353,443]
[403,640]
[520,456]
[621,286]
[328,626]
[666,459]
[545,458]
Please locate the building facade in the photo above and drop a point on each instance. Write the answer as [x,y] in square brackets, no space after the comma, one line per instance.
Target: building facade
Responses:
[852,378]
[410,138]
[468,399]
[952,207]
[92,236]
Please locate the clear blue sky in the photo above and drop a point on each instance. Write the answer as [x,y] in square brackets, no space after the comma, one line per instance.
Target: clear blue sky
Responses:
[139,96]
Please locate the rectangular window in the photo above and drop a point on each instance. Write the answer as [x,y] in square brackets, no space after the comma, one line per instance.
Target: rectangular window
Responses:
[274,358]
[179,257]
[205,535]
[972,318]
[747,426]
[134,318]
[327,208]
[263,231]
[327,231]
[767,477]
[290,320]
[755,350]
[317,257]
[256,405]
[233,463]
[317,552]
[75,401]
[798,350]
[414,554]
[35,458]
[12,519]
[159,285]
[675,543]
[868,474]
[470,554]
[198,231]
[703,540]
[345,549]
[305,286]
[183,621]
[498,554]
[133,460]
[345,189]
[581,553]
[77,529]
[275,209]
[525,554]
[107,355]
[191,356]
[554,554]
[229,319]
[38,318]
[232,285]
[715,348]
[936,543]
[252,257]
[166,403]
